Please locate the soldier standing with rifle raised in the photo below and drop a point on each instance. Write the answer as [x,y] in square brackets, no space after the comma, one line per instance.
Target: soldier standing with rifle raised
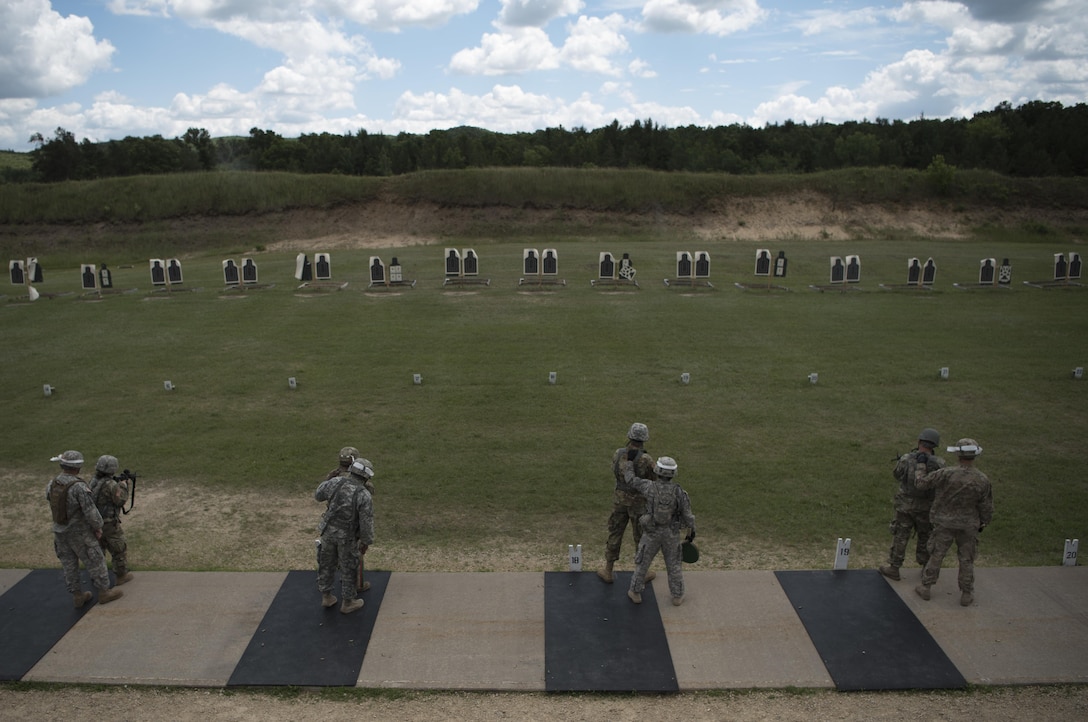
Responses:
[110,493]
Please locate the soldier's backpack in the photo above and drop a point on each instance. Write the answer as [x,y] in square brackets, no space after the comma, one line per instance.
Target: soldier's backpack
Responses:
[58,501]
[664,506]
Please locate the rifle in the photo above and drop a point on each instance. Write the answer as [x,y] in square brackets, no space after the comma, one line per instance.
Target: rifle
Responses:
[127,475]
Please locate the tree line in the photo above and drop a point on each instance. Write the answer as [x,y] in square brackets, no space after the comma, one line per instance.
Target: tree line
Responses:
[1032,140]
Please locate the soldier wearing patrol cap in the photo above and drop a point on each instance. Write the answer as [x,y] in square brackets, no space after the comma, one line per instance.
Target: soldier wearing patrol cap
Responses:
[77,527]
[627,504]
[963,505]
[911,503]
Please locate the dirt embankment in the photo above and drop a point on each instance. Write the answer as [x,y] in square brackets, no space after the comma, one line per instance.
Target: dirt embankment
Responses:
[391,224]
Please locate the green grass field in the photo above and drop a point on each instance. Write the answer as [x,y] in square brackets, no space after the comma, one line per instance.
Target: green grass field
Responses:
[485,449]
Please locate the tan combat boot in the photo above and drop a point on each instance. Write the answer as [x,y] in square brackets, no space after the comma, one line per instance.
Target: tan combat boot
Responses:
[966,598]
[327,599]
[80,598]
[634,597]
[890,572]
[353,606]
[650,576]
[107,596]
[922,591]
[677,601]
[124,578]
[365,587]
[606,573]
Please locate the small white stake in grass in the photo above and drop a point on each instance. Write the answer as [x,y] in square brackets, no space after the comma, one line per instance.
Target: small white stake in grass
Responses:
[575,554]
[552,376]
[943,372]
[417,379]
[1078,372]
[842,553]
[168,386]
[292,383]
[47,389]
[685,378]
[813,378]
[1070,557]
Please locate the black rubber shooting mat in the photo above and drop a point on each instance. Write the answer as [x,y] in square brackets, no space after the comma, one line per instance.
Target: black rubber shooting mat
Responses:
[596,639]
[301,643]
[867,637]
[34,614]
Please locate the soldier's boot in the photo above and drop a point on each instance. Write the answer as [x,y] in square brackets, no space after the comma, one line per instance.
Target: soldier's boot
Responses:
[966,598]
[124,578]
[634,597]
[80,598]
[677,601]
[650,576]
[366,586]
[353,606]
[890,572]
[923,591]
[327,599]
[605,573]
[108,595]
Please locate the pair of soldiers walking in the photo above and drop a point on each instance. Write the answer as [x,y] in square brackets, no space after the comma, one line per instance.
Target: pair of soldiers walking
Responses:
[942,505]
[87,523]
[656,507]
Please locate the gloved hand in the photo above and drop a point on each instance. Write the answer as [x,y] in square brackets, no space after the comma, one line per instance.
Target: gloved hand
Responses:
[690,537]
[981,528]
[921,457]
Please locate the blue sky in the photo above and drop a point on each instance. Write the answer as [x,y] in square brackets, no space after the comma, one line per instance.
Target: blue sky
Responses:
[106,69]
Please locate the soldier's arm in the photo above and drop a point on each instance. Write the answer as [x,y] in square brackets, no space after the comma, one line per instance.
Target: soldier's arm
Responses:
[642,485]
[366,519]
[323,490]
[118,491]
[86,504]
[929,480]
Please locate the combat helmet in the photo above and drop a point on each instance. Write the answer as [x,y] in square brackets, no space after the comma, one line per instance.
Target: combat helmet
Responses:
[966,449]
[930,436]
[638,432]
[107,465]
[363,469]
[348,454]
[70,459]
[665,467]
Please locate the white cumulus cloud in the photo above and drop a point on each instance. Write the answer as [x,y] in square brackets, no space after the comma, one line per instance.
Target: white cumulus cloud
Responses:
[44,53]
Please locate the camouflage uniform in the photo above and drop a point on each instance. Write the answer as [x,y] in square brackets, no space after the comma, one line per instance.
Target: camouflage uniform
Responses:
[912,506]
[347,523]
[627,503]
[963,504]
[667,509]
[343,470]
[109,496]
[75,541]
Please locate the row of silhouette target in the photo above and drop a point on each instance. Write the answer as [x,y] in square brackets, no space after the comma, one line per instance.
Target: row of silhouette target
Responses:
[461,263]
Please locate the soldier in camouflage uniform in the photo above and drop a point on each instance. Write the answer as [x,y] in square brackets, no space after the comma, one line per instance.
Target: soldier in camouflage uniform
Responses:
[347,530]
[109,496]
[912,504]
[668,509]
[963,505]
[77,527]
[348,455]
[627,503]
